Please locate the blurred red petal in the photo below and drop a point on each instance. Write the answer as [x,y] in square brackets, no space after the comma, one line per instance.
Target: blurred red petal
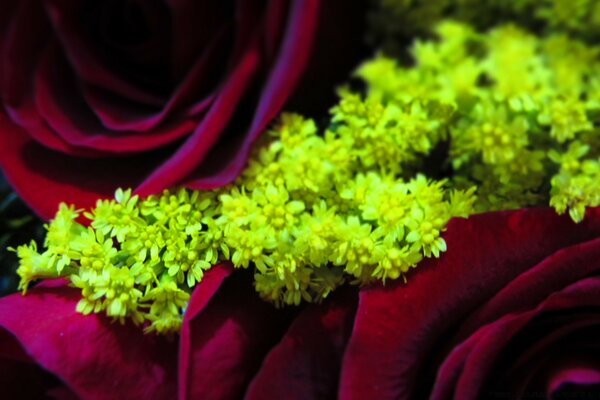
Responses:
[527,290]
[211,282]
[397,326]
[283,78]
[196,146]
[464,372]
[579,375]
[307,362]
[96,358]
[228,340]
[44,178]
[62,107]
[85,57]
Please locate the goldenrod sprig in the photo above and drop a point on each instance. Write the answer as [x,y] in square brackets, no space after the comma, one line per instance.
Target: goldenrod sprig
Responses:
[315,209]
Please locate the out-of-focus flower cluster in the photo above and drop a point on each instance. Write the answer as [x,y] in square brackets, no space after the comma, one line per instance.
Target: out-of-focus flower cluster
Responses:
[309,213]
[505,113]
[395,22]
[524,108]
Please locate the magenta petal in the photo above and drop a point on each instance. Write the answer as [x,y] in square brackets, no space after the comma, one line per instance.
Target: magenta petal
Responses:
[294,54]
[465,370]
[115,113]
[190,154]
[25,38]
[397,326]
[228,341]
[211,282]
[61,105]
[94,357]
[84,56]
[44,178]
[560,269]
[195,24]
[574,375]
[203,293]
[306,363]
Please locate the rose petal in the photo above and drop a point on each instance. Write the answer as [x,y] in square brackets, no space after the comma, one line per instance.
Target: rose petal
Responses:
[294,53]
[116,114]
[397,326]
[19,376]
[229,339]
[189,36]
[25,37]
[306,363]
[464,372]
[65,16]
[549,341]
[62,107]
[56,87]
[339,34]
[277,11]
[7,10]
[23,41]
[187,157]
[44,178]
[560,269]
[205,291]
[211,282]
[21,380]
[574,375]
[95,357]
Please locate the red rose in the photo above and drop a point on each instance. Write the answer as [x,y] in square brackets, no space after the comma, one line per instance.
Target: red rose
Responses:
[102,94]
[511,310]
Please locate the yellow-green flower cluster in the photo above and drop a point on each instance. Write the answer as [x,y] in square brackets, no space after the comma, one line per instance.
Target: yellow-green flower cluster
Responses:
[523,107]
[505,113]
[136,260]
[311,211]
[392,22]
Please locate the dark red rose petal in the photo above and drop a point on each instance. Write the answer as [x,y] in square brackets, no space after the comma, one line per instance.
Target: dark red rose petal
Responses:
[7,10]
[25,37]
[584,377]
[115,113]
[550,341]
[195,24]
[307,361]
[22,378]
[292,59]
[70,97]
[274,27]
[65,16]
[62,107]
[397,326]
[200,142]
[560,269]
[95,357]
[228,340]
[339,33]
[466,370]
[44,178]
[58,116]
[211,282]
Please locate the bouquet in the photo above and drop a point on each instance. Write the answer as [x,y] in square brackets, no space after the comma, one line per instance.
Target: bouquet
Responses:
[303,199]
